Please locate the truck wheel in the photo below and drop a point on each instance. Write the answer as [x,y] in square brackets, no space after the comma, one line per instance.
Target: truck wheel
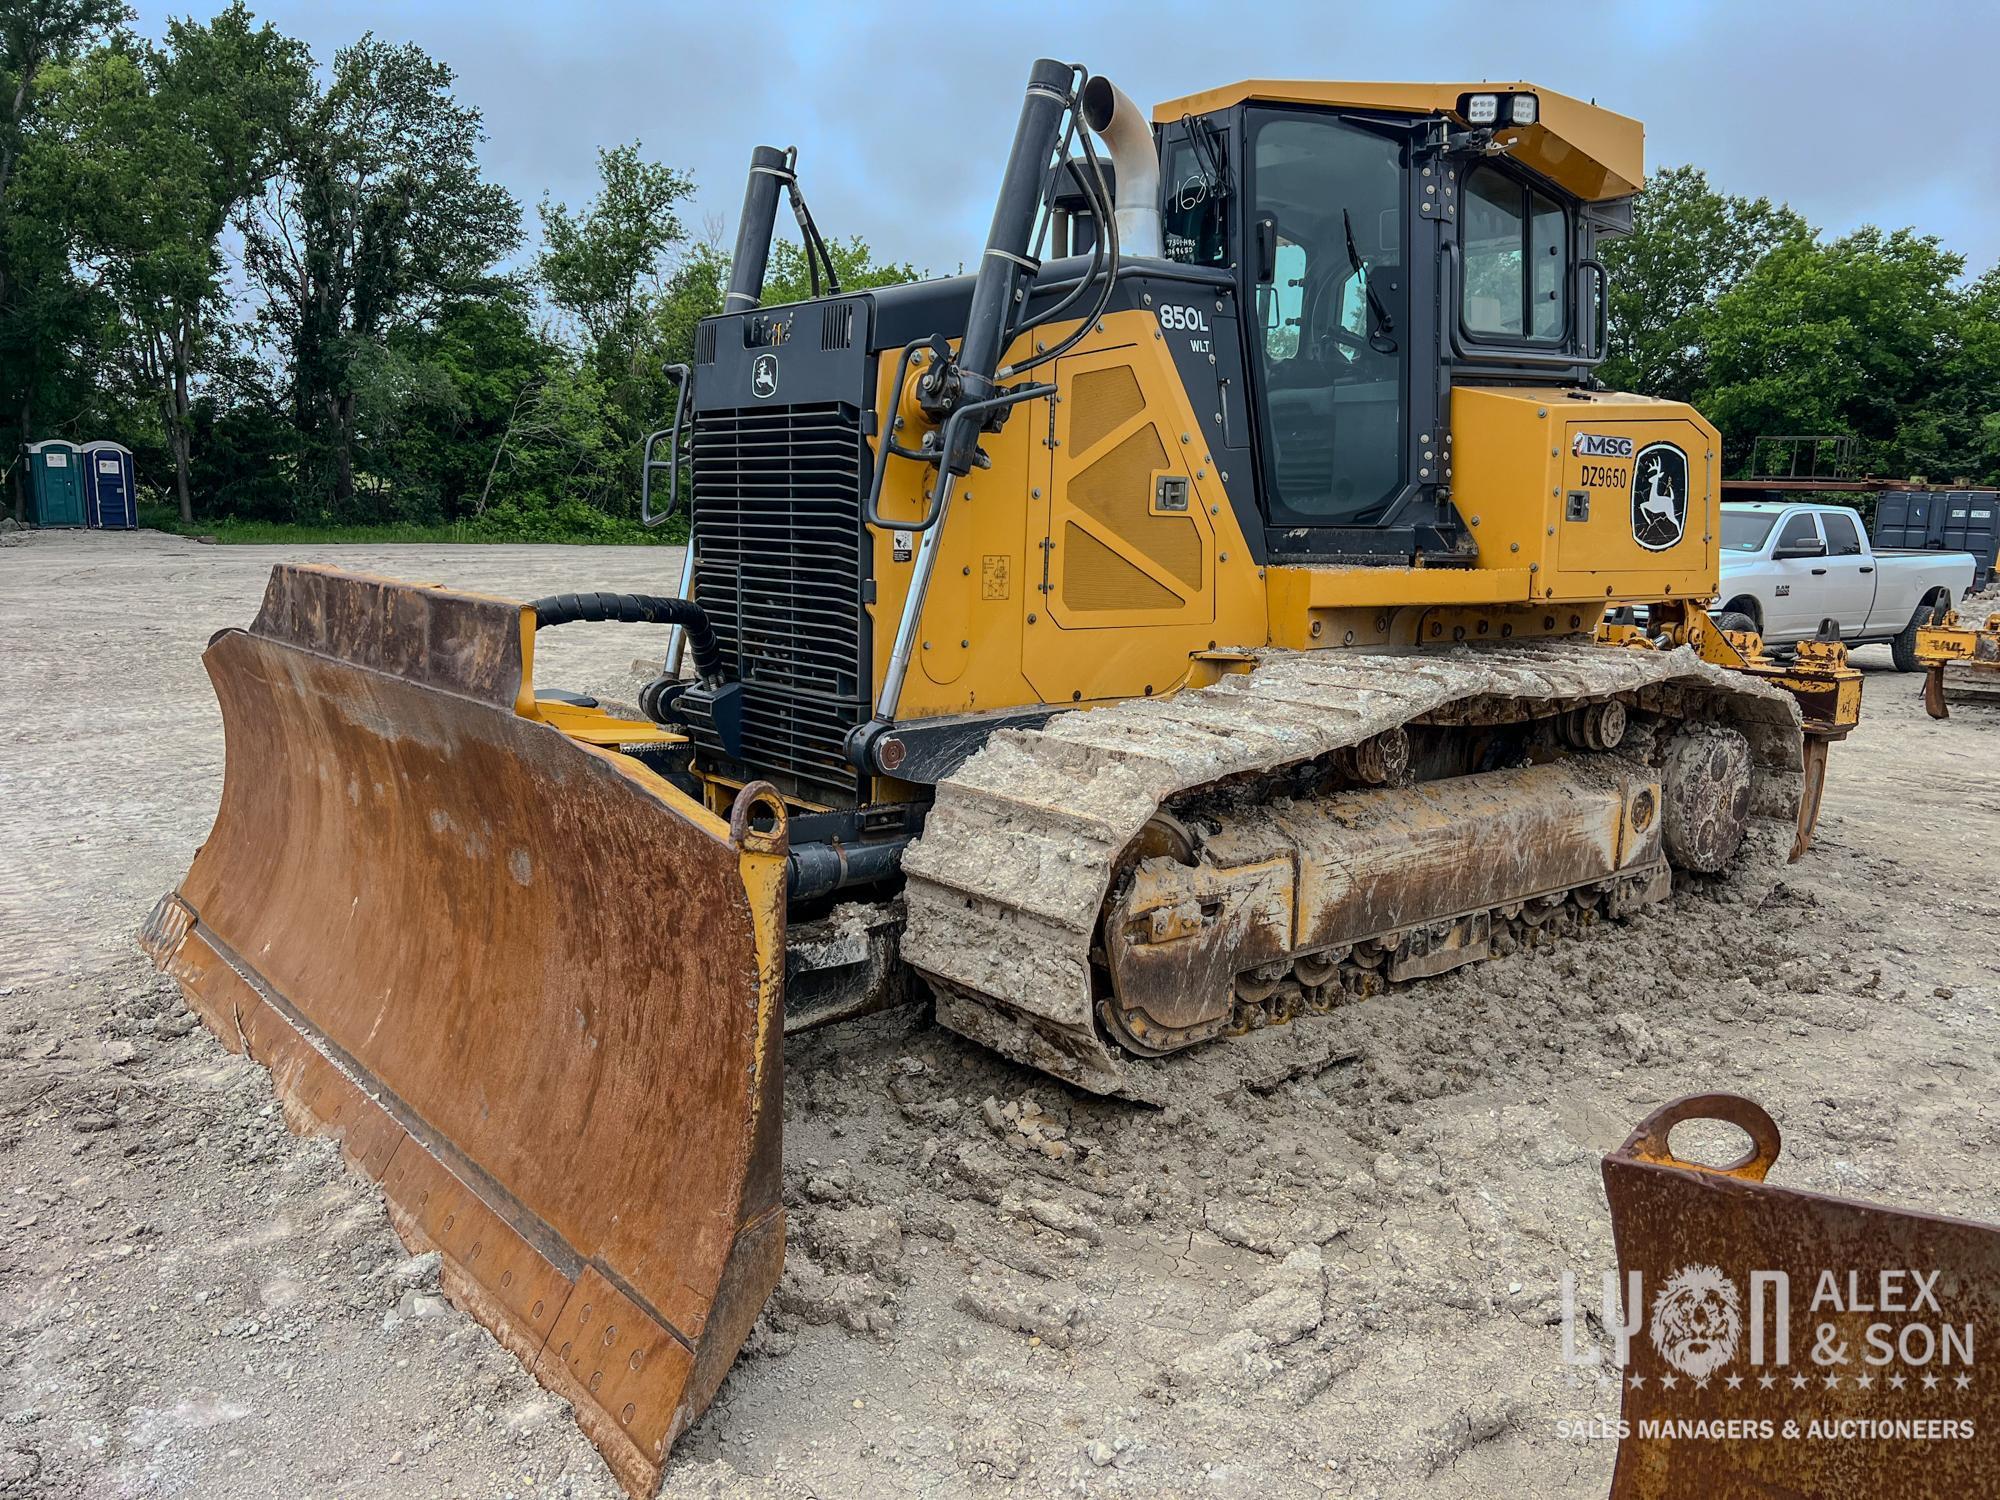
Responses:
[1903,649]
[1733,619]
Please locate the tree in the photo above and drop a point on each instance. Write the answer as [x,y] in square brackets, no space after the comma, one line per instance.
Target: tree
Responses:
[379,219]
[44,315]
[33,34]
[1689,246]
[1854,336]
[1968,420]
[602,266]
[787,278]
[164,147]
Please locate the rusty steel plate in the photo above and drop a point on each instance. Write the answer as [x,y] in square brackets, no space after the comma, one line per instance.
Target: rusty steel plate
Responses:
[534,991]
[1787,1344]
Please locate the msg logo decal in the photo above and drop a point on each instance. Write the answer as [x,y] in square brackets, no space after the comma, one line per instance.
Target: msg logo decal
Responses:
[1600,445]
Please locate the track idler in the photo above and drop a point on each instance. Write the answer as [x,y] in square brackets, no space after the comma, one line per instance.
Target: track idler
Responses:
[1705,789]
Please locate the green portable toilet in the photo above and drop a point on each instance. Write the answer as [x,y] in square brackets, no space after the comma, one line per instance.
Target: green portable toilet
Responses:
[55,483]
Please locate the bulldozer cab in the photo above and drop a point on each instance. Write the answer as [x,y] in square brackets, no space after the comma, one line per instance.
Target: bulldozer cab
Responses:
[1389,241]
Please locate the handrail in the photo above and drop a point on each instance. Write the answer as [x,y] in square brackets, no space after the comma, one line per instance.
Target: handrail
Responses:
[680,375]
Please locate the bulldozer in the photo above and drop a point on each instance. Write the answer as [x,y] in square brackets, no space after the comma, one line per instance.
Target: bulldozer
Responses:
[1235,596]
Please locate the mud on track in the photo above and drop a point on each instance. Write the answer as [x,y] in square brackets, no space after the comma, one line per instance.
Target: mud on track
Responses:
[1341,1280]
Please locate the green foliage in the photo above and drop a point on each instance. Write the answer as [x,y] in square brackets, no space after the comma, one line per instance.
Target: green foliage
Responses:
[1741,308]
[1863,335]
[393,371]
[378,219]
[787,279]
[50,322]
[153,150]
[1689,247]
[591,528]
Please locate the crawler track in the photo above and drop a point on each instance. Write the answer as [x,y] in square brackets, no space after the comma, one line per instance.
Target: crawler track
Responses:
[1006,888]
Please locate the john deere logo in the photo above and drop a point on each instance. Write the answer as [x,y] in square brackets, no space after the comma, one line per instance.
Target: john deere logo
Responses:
[1659,496]
[764,376]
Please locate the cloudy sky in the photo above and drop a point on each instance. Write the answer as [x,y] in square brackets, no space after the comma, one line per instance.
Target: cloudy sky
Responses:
[1855,113]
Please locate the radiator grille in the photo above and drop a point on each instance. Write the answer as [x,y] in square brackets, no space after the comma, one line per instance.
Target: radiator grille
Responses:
[778,566]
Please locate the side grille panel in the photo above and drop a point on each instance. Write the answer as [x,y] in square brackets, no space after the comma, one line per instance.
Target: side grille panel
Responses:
[778,566]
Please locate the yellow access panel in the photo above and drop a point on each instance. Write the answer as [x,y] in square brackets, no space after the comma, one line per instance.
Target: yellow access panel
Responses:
[1132,548]
[1128,541]
[1603,495]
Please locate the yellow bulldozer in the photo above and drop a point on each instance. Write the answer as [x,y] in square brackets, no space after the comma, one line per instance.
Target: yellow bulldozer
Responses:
[1235,596]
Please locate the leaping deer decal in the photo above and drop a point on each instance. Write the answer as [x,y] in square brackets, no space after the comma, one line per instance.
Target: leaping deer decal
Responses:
[1660,502]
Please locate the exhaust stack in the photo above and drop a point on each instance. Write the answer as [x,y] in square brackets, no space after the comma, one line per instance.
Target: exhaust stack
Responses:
[1124,129]
[770,170]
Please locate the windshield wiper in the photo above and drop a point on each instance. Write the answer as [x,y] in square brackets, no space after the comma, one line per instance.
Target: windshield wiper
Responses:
[1385,323]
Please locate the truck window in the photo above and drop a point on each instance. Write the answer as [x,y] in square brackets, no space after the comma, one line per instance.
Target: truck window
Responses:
[1745,530]
[1799,531]
[1842,540]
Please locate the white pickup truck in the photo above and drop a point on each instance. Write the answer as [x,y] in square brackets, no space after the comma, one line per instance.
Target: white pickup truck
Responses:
[1786,568]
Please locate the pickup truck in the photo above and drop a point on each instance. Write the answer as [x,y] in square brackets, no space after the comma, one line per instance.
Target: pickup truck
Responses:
[1786,568]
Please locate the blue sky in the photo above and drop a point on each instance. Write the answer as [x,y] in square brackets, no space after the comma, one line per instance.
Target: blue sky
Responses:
[1854,113]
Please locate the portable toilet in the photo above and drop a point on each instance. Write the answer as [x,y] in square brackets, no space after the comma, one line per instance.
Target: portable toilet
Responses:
[110,499]
[55,483]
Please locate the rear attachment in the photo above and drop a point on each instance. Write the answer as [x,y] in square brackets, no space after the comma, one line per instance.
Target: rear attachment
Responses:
[1155,873]
[1782,1343]
[533,990]
[1961,664]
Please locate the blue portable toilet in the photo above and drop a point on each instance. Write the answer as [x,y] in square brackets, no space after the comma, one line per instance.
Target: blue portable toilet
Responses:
[110,498]
[55,483]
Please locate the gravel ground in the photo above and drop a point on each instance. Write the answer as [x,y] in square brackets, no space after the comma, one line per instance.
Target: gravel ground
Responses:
[1344,1282]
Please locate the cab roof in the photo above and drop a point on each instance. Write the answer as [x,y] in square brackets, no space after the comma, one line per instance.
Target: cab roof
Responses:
[1591,152]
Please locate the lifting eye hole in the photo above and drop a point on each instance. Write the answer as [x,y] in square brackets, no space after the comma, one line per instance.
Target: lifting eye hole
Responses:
[757,819]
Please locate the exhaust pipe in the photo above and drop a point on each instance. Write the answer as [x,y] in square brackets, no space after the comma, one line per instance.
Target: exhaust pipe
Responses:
[770,170]
[1004,267]
[1124,129]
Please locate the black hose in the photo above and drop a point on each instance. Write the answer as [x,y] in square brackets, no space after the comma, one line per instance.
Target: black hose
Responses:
[637,609]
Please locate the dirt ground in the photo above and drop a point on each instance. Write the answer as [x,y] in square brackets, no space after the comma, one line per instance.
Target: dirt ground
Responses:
[1344,1283]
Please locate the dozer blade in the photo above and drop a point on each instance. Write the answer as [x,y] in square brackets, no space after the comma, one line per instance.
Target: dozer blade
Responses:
[533,990]
[1785,1345]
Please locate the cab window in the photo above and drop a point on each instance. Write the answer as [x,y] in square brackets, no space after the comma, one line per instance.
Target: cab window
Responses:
[1799,530]
[1284,302]
[1327,204]
[1191,217]
[1515,243]
[1842,540]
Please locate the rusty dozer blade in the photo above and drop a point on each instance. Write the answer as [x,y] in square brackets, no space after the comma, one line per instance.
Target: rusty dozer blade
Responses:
[533,990]
[1786,1345]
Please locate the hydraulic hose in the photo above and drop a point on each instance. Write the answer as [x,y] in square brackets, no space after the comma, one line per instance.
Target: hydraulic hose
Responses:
[637,609]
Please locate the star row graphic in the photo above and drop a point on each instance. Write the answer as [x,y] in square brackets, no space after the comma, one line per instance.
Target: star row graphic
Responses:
[1799,1380]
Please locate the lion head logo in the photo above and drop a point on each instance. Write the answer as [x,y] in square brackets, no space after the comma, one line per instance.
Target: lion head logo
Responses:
[1697,1319]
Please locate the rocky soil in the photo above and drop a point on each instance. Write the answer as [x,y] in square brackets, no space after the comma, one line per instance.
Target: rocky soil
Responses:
[1334,1273]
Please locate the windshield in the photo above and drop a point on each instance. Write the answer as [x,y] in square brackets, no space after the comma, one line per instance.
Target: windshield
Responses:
[1744,531]
[1329,200]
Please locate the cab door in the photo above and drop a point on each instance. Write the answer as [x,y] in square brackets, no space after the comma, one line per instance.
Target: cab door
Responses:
[1798,569]
[1847,592]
